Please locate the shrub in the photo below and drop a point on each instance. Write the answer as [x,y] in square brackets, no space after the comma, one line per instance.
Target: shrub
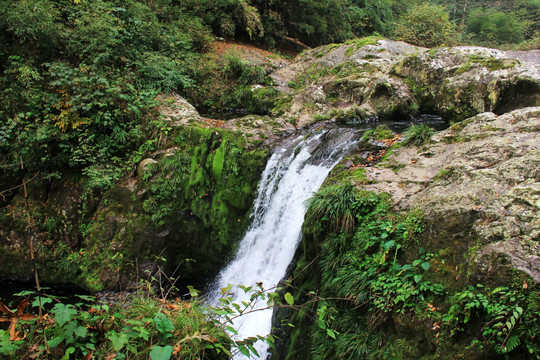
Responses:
[334,205]
[417,135]
[495,27]
[426,25]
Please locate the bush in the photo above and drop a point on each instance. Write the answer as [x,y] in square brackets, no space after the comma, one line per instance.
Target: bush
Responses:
[426,25]
[495,27]
[417,135]
[333,205]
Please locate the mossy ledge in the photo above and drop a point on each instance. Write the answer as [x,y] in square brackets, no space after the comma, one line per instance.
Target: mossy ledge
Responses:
[188,203]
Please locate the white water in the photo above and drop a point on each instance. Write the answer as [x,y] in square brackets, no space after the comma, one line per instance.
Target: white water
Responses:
[291,176]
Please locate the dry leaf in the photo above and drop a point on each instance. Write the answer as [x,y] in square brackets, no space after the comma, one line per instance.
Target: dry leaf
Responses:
[22,305]
[5,310]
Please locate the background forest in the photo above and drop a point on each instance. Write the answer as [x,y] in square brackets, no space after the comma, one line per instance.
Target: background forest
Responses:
[79,96]
[79,78]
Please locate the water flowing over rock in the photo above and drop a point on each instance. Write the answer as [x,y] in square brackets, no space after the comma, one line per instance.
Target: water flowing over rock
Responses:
[292,174]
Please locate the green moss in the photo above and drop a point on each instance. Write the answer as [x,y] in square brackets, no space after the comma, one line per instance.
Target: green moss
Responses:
[491,64]
[358,43]
[219,160]
[379,133]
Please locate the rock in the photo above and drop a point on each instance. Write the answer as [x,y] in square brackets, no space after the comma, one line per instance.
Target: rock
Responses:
[178,110]
[143,167]
[487,167]
[393,79]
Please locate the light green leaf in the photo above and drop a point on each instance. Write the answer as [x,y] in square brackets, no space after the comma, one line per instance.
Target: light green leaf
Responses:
[161,352]
[425,265]
[118,340]
[163,323]
[70,350]
[289,298]
[63,313]
[193,292]
[43,300]
[417,278]
[331,333]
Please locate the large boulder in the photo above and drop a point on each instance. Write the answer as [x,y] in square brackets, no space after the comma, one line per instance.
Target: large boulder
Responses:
[381,78]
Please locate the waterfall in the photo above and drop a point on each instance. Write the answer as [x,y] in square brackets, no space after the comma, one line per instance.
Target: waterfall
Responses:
[293,173]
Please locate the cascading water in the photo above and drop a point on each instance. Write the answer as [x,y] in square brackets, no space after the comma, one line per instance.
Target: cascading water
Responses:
[292,174]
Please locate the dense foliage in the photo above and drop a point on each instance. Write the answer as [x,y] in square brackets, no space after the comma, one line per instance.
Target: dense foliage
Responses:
[381,295]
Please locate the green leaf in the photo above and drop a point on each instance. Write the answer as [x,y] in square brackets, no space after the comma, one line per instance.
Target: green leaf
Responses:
[118,340]
[54,342]
[163,323]
[161,352]
[244,350]
[25,293]
[193,292]
[289,298]
[70,350]
[63,313]
[425,265]
[417,278]
[331,333]
[253,350]
[43,300]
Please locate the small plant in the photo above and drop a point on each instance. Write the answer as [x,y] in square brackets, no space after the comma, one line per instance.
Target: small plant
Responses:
[333,205]
[417,135]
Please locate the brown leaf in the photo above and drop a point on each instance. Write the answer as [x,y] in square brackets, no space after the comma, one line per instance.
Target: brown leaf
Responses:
[177,349]
[110,356]
[5,310]
[88,356]
[14,335]
[173,306]
[22,305]
[27,317]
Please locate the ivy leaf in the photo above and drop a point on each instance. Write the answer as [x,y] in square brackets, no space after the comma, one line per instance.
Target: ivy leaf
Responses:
[63,313]
[417,278]
[425,265]
[289,298]
[161,352]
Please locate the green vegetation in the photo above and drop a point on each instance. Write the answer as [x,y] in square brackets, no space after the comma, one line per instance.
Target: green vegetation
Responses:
[426,25]
[379,133]
[136,326]
[381,295]
[417,135]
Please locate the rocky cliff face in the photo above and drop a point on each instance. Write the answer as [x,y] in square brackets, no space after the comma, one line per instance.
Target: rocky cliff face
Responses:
[485,173]
[477,183]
